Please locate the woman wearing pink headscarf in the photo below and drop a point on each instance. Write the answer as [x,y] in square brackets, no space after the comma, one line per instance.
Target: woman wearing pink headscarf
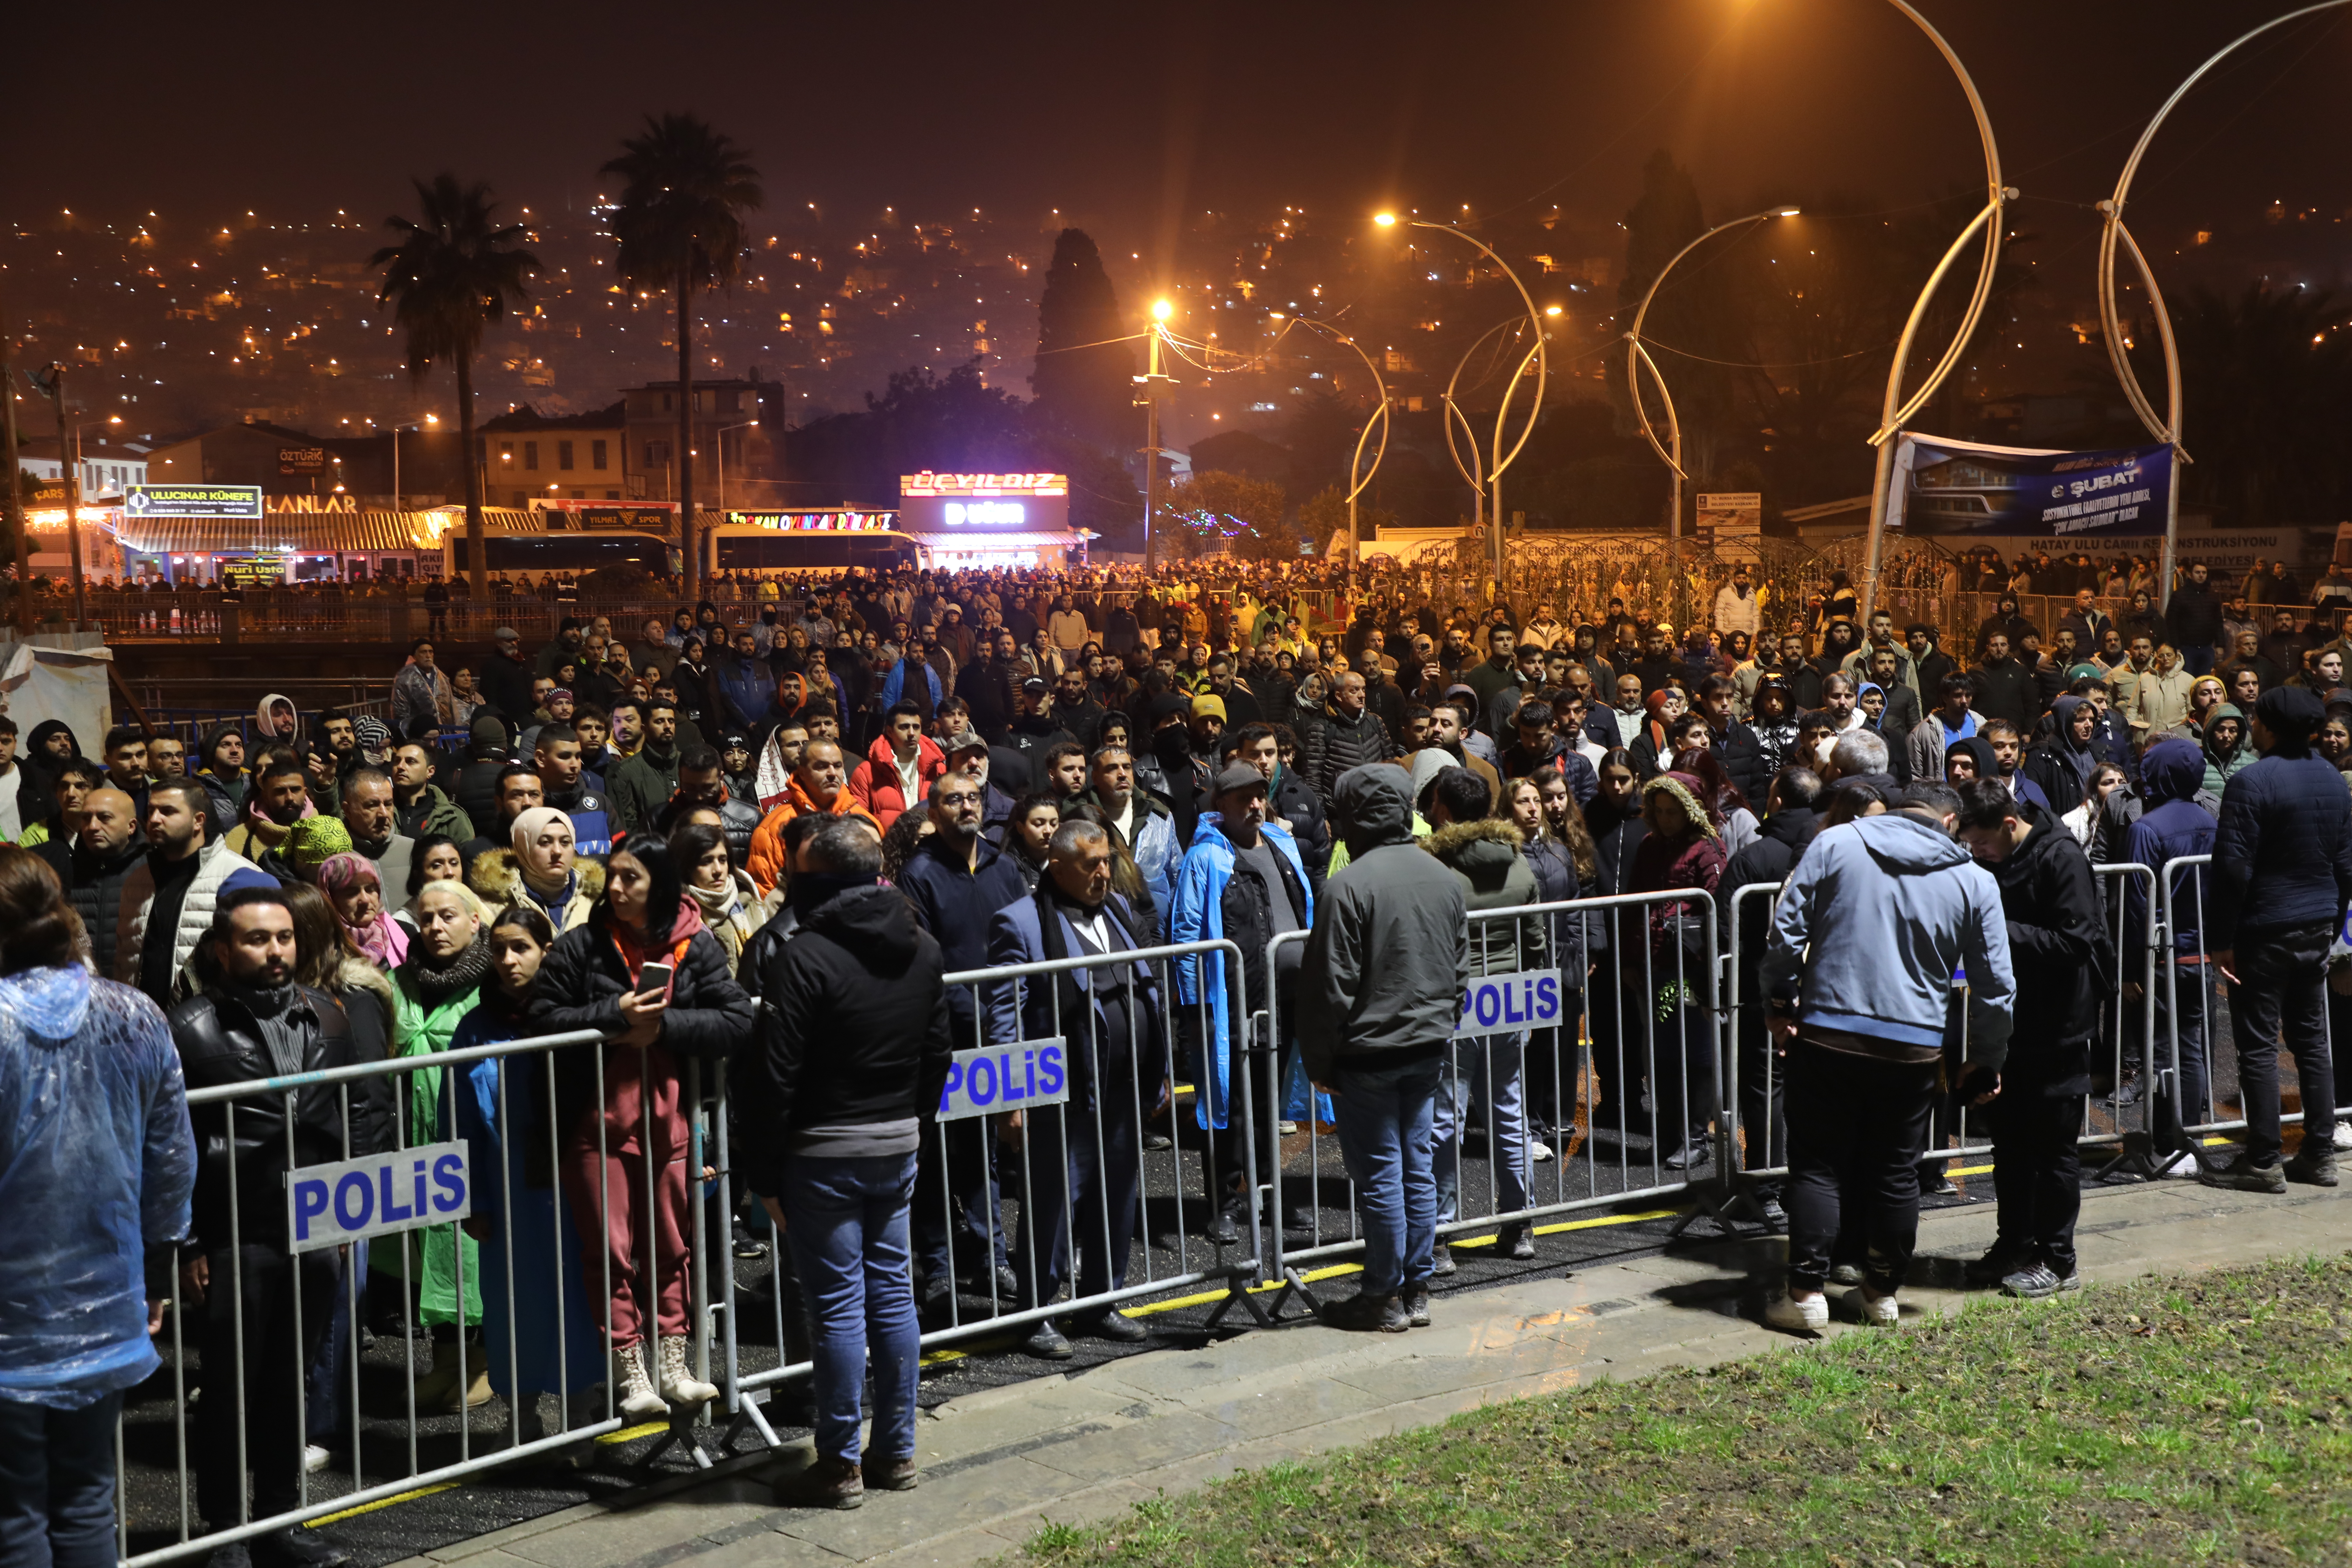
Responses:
[356,893]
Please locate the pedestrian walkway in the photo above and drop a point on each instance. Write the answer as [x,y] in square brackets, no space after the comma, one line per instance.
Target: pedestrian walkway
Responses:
[999,1465]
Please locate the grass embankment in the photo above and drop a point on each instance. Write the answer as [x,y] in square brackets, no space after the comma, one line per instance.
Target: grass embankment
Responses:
[2206,1418]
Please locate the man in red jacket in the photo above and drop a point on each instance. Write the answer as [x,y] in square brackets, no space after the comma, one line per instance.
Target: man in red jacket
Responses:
[897,774]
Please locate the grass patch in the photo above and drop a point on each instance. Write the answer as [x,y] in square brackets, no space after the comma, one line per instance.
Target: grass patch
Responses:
[2205,1418]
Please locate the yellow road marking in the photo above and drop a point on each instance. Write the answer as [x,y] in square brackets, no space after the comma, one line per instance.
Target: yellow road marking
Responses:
[384,1503]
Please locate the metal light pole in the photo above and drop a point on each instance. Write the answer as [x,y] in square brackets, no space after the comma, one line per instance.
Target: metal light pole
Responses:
[1538,355]
[2167,429]
[1151,381]
[52,380]
[1483,483]
[14,500]
[1637,356]
[1358,475]
[747,425]
[1896,410]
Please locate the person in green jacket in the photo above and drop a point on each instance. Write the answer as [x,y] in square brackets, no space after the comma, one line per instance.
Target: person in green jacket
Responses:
[2226,751]
[433,990]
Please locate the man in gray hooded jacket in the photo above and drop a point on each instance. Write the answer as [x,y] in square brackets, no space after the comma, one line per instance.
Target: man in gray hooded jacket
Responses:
[1386,963]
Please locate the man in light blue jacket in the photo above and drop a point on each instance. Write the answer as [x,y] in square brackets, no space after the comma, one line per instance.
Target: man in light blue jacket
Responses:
[1873,924]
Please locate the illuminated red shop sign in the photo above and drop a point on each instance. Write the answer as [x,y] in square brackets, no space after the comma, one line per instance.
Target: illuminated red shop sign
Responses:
[928,483]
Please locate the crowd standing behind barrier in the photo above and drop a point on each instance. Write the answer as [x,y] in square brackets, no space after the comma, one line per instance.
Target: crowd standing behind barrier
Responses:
[1265,924]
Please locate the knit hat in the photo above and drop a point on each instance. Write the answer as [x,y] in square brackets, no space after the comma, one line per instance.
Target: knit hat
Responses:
[374,733]
[310,842]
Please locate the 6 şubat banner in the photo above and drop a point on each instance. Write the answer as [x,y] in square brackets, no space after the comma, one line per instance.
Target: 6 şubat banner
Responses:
[1945,486]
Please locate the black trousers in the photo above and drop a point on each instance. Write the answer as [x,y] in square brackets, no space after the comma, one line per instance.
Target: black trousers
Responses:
[2281,1001]
[1856,1125]
[1084,1185]
[276,1362]
[2037,1173]
[958,1219]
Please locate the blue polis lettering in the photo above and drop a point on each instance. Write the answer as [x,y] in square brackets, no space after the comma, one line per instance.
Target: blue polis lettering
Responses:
[999,1079]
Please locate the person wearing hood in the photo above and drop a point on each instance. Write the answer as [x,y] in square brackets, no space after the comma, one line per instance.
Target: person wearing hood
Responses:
[642,784]
[1979,757]
[98,1163]
[278,723]
[1682,851]
[2004,622]
[1872,923]
[2060,767]
[1484,853]
[2063,961]
[1774,725]
[845,1070]
[2226,747]
[1381,984]
[2280,881]
[47,755]
[2174,825]
[1790,819]
[1243,878]
[602,976]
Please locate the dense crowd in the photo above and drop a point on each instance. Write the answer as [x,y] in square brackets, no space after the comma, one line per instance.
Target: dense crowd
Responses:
[763,842]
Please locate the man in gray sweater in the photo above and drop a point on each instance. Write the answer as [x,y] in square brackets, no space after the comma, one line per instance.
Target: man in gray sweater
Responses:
[1386,966]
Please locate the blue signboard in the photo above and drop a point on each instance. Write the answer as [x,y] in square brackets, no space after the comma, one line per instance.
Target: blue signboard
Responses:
[1506,1003]
[993,1079]
[1961,487]
[327,1205]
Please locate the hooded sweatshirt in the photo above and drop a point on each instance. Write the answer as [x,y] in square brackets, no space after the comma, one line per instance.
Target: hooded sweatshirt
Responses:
[2174,824]
[2063,960]
[1876,920]
[2222,766]
[2062,765]
[1388,958]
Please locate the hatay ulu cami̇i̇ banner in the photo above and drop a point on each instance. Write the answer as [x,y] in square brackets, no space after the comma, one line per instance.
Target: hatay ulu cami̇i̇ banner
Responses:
[1941,487]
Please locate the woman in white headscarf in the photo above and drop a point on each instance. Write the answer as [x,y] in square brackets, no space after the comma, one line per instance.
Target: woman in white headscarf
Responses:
[541,871]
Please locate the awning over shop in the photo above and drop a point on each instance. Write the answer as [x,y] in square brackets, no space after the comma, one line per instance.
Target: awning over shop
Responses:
[982,544]
[310,532]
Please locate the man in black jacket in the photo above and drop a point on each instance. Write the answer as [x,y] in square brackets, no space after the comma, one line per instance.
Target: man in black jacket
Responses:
[1733,742]
[1790,819]
[986,685]
[1349,736]
[852,1054]
[2064,962]
[107,844]
[2192,621]
[2006,689]
[1289,800]
[253,1022]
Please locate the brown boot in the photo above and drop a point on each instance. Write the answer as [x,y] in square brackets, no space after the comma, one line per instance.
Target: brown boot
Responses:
[891,1474]
[829,1483]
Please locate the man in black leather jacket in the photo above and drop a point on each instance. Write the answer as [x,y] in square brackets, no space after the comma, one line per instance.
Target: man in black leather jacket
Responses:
[252,1021]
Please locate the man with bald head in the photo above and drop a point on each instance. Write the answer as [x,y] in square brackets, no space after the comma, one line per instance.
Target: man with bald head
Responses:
[107,844]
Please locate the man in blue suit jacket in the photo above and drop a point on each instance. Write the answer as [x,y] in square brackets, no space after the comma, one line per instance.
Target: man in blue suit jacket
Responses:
[1084,1158]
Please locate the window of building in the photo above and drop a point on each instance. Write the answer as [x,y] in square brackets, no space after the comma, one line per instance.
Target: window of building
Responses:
[596,455]
[531,455]
[657,454]
[706,401]
[563,454]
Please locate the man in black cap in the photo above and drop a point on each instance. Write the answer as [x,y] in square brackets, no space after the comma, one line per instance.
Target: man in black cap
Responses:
[2281,877]
[507,676]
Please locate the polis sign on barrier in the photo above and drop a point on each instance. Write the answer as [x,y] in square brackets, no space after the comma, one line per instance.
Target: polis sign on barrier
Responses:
[1506,1004]
[992,1080]
[327,1205]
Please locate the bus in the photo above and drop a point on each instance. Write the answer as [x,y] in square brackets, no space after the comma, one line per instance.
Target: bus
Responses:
[763,547]
[573,554]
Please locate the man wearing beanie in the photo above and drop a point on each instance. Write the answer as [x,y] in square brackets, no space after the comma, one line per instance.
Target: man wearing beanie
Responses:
[2281,877]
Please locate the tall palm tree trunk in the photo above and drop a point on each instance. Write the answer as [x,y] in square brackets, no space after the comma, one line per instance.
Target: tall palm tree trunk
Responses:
[477,576]
[685,539]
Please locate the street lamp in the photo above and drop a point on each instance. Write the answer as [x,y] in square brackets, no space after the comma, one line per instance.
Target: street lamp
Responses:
[1897,409]
[1358,475]
[1151,381]
[1637,356]
[1541,360]
[2167,429]
[747,425]
[51,379]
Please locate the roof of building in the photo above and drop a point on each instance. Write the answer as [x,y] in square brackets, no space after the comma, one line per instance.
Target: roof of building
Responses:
[310,532]
[527,418]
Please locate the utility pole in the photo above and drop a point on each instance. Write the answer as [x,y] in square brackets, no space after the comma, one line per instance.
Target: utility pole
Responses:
[15,500]
[1151,381]
[52,381]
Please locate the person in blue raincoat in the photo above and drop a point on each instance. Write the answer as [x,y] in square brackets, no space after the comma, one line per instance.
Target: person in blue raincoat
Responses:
[540,1338]
[97,1166]
[1241,880]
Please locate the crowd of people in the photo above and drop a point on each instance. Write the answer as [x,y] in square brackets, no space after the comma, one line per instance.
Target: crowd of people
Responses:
[763,846]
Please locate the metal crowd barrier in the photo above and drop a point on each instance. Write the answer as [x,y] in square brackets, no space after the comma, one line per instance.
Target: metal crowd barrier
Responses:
[1655,1017]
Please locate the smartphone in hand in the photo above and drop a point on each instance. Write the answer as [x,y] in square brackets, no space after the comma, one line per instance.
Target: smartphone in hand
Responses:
[653,979]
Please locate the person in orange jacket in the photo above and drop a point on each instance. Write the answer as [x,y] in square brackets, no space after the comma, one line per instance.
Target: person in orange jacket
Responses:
[897,774]
[820,784]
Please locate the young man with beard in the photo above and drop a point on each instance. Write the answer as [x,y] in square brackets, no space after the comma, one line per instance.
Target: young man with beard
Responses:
[642,784]
[557,761]
[279,798]
[1142,824]
[418,804]
[517,789]
[167,900]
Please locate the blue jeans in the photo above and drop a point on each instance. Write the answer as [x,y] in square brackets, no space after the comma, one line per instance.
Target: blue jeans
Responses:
[1384,1115]
[56,1484]
[1488,1072]
[845,1221]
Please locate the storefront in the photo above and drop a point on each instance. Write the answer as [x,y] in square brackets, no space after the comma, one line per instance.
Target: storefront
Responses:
[321,542]
[984,521]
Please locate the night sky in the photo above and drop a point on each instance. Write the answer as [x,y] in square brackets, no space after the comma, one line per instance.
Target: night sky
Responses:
[1124,121]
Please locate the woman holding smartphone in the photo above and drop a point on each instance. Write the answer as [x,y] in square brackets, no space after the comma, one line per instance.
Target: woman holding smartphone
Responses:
[646,973]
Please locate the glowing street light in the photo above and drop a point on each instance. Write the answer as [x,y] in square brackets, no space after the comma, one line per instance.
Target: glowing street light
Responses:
[1161,310]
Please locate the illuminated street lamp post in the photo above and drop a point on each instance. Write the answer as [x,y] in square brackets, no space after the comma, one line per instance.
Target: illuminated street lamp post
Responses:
[2167,429]
[15,500]
[1151,381]
[1897,409]
[747,425]
[1359,476]
[1494,475]
[52,380]
[1637,356]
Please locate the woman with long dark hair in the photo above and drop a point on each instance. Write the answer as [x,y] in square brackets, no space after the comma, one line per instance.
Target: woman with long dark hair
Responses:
[645,972]
[1681,852]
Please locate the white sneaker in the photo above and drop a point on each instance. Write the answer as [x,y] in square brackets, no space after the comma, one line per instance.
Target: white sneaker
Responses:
[638,1400]
[1880,1311]
[1539,1152]
[678,1384]
[1810,1316]
[2344,1135]
[315,1459]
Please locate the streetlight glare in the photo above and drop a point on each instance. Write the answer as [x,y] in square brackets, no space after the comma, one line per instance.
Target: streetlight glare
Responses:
[1789,212]
[1161,310]
[1551,310]
[1384,219]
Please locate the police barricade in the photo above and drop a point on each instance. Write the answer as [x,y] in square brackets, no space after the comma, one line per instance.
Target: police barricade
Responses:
[1065,1174]
[466,1189]
[1547,1107]
[2120,1113]
[2200,1066]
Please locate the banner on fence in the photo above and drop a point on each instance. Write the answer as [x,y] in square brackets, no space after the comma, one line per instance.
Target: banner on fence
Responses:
[1506,1003]
[327,1205]
[1945,486]
[992,1080]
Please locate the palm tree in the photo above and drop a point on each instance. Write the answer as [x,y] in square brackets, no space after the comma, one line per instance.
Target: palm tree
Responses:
[680,226]
[453,273]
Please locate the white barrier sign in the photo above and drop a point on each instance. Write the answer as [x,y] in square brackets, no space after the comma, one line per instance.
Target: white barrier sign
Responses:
[993,1079]
[1506,1003]
[327,1205]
